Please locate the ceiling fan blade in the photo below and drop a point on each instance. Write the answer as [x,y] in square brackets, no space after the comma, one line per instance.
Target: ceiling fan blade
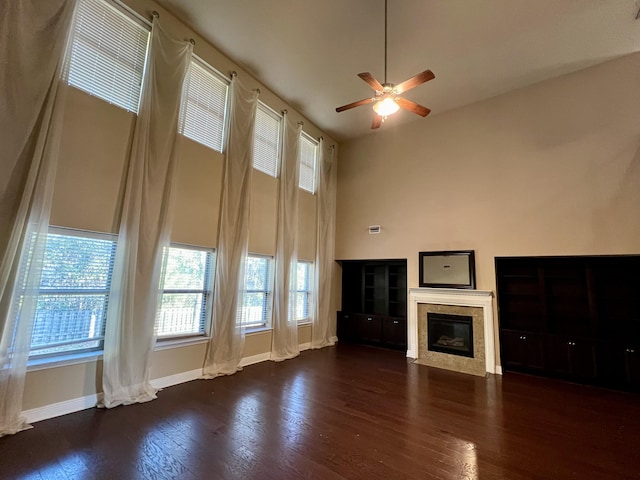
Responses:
[414,81]
[373,83]
[364,101]
[377,121]
[413,107]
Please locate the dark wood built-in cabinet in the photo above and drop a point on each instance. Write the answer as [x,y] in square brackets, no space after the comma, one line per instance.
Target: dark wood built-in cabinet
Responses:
[576,318]
[374,303]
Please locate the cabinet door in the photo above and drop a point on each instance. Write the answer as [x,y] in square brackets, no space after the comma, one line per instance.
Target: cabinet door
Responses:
[571,357]
[618,364]
[394,332]
[347,326]
[522,351]
[370,328]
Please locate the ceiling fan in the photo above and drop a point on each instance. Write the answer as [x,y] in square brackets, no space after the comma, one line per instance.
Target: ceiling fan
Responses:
[387,100]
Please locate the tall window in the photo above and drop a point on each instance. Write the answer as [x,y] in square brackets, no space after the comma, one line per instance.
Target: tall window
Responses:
[108,53]
[266,140]
[256,307]
[186,299]
[74,293]
[308,155]
[303,291]
[205,105]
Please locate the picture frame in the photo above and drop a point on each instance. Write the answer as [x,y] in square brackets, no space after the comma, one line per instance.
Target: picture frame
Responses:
[447,269]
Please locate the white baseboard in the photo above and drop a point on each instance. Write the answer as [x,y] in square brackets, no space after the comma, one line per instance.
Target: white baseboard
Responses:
[89,401]
[61,408]
[178,378]
[261,357]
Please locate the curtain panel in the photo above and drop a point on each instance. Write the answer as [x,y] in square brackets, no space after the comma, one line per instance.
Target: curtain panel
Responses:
[33,35]
[224,350]
[284,343]
[325,248]
[145,224]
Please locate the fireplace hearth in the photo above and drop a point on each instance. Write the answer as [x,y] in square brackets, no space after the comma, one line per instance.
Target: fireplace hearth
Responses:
[452,334]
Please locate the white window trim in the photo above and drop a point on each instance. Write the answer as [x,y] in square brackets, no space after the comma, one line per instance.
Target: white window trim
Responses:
[170,341]
[309,318]
[70,358]
[267,325]
[275,115]
[209,69]
[316,144]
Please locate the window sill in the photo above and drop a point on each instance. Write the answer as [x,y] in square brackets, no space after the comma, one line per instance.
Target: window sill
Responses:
[255,330]
[63,361]
[179,342]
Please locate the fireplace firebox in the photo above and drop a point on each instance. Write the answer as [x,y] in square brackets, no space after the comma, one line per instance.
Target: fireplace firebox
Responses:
[452,334]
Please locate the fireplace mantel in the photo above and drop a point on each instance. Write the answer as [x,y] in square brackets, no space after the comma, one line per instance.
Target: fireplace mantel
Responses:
[458,297]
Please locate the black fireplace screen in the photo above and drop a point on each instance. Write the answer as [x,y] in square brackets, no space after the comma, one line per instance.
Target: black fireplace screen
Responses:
[451,334]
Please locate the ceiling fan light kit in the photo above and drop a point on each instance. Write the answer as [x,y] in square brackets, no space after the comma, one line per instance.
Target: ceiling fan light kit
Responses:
[387,100]
[386,107]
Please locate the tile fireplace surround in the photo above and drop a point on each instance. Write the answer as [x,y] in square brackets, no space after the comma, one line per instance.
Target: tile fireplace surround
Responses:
[476,303]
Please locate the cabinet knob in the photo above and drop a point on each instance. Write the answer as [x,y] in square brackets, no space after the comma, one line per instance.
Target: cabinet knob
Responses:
[396,322]
[369,318]
[630,350]
[572,344]
[523,337]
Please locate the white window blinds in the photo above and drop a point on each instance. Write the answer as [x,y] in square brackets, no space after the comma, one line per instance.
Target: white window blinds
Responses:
[308,154]
[266,140]
[108,54]
[186,299]
[74,293]
[205,103]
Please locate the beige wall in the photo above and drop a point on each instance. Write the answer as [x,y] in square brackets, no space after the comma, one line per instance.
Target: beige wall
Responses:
[552,169]
[88,194]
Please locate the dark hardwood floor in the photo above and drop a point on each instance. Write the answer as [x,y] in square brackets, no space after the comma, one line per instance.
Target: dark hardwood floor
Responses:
[343,412]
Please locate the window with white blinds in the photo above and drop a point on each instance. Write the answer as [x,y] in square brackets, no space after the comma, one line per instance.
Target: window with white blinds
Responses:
[186,300]
[303,291]
[74,293]
[204,106]
[308,154]
[108,53]
[266,140]
[257,298]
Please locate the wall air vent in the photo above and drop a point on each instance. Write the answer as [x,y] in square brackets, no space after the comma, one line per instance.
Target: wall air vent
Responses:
[373,229]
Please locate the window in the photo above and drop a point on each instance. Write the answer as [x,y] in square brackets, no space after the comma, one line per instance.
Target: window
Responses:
[205,103]
[266,140]
[108,53]
[186,299]
[308,154]
[256,306]
[74,293]
[303,291]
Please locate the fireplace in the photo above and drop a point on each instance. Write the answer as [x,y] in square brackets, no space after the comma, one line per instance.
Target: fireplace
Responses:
[452,334]
[477,304]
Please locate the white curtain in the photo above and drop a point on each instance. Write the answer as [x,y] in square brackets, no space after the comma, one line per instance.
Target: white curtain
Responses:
[285,326]
[325,248]
[224,350]
[33,35]
[145,225]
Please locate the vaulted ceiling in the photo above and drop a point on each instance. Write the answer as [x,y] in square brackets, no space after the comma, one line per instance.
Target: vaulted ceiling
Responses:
[309,52]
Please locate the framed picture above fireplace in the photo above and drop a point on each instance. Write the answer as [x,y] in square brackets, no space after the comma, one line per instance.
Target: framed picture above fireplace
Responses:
[448,269]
